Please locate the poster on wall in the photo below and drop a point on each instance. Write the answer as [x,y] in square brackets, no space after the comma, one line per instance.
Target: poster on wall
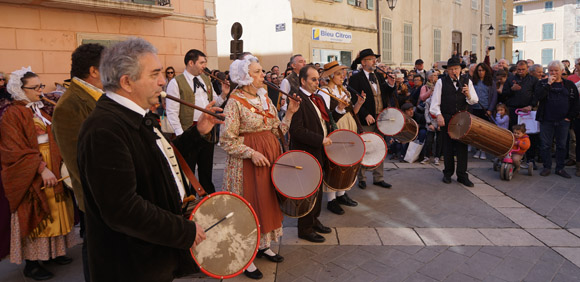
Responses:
[324,34]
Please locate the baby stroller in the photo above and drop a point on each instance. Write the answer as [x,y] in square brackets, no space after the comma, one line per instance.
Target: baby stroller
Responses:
[507,167]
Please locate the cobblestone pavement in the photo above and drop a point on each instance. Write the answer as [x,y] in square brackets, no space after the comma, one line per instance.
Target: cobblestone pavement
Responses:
[527,229]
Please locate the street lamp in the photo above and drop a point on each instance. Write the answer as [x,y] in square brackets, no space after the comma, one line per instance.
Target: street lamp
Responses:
[392,4]
[490,30]
[517,52]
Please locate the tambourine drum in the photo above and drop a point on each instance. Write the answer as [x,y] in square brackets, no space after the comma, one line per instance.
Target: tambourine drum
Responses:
[296,176]
[480,134]
[230,246]
[64,173]
[375,150]
[393,122]
[343,160]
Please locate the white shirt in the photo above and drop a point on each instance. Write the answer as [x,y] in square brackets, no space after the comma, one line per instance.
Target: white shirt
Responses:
[373,84]
[435,108]
[123,101]
[336,93]
[285,86]
[201,100]
[322,122]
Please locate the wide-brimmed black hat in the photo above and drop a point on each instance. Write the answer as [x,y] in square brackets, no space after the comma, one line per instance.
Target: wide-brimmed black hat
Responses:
[361,55]
[454,61]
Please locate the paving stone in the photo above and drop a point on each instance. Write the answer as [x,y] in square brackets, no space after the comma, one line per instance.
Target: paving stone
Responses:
[408,249]
[459,277]
[526,218]
[465,250]
[330,254]
[413,165]
[425,255]
[572,254]
[482,189]
[352,259]
[442,265]
[575,231]
[529,254]
[291,238]
[543,271]
[452,236]
[377,268]
[568,272]
[555,237]
[392,257]
[510,237]
[328,273]
[358,236]
[308,268]
[419,278]
[357,275]
[479,265]
[500,252]
[492,278]
[399,236]
[512,269]
[501,202]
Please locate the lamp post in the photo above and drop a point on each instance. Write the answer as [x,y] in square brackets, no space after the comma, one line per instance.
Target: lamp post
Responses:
[517,52]
[490,29]
[392,4]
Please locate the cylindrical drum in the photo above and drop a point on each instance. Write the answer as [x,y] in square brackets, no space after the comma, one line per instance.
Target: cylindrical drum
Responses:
[231,245]
[375,150]
[343,159]
[393,122]
[480,134]
[296,176]
[64,174]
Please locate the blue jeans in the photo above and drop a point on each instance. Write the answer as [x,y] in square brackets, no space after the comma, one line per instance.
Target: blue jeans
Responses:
[548,131]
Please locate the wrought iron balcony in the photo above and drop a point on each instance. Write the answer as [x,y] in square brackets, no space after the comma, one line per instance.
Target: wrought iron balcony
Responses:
[507,30]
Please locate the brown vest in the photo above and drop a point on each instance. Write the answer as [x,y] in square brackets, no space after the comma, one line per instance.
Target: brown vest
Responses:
[186,93]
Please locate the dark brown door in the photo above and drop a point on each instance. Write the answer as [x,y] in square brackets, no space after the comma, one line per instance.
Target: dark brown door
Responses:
[456,41]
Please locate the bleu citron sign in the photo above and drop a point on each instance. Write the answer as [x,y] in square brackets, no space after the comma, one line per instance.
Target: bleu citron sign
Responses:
[323,34]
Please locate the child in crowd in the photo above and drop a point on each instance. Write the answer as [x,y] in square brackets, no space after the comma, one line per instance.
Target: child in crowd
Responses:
[502,119]
[521,145]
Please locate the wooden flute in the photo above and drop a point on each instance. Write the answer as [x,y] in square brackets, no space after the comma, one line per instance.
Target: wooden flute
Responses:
[218,116]
[280,90]
[334,97]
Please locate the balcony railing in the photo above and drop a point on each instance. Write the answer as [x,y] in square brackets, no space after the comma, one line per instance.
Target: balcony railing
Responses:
[507,30]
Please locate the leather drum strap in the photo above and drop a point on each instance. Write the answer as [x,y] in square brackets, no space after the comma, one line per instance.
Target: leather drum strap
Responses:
[188,173]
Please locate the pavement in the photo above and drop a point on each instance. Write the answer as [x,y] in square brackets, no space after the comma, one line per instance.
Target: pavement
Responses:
[526,229]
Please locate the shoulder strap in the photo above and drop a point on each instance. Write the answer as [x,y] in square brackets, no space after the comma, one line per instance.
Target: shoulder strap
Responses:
[188,173]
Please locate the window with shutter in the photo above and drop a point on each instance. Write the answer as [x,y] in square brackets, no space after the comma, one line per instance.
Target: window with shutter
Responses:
[547,31]
[370,4]
[486,7]
[387,41]
[436,45]
[577,23]
[547,56]
[520,34]
[408,43]
[474,4]
[519,9]
[577,50]
[351,2]
[549,6]
[474,43]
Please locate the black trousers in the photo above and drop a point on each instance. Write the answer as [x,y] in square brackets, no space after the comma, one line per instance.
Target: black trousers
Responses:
[84,253]
[306,223]
[203,160]
[453,148]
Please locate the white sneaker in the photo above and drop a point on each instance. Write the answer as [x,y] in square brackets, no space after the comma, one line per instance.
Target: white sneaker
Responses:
[425,160]
[436,161]
[482,156]
[476,155]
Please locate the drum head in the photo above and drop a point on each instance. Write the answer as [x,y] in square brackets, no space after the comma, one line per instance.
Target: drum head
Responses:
[64,173]
[230,246]
[376,149]
[296,183]
[459,125]
[390,121]
[347,148]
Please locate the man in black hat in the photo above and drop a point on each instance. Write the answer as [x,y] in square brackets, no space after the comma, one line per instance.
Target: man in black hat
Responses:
[419,69]
[451,95]
[378,96]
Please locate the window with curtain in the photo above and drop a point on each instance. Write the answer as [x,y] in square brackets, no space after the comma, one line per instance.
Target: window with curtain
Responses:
[387,41]
[436,45]
[520,34]
[519,9]
[547,56]
[408,43]
[547,31]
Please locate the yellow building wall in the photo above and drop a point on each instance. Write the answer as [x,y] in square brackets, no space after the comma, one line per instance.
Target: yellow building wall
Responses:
[44,38]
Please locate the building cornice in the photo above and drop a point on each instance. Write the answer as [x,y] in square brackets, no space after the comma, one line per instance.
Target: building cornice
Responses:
[334,25]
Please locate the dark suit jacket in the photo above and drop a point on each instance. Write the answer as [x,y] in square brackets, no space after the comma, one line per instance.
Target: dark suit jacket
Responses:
[360,83]
[135,229]
[72,109]
[306,132]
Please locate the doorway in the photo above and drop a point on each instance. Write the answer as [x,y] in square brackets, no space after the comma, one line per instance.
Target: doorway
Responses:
[456,42]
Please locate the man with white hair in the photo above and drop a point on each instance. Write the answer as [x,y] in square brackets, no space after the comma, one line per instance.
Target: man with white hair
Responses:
[132,184]
[558,107]
[536,71]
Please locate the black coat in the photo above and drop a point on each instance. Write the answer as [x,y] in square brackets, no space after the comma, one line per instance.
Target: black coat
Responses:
[360,83]
[135,227]
[542,92]
[523,97]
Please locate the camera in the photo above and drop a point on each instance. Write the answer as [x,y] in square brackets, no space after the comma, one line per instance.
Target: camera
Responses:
[400,75]
[491,48]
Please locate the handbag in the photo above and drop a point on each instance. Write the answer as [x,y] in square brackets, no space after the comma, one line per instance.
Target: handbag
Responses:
[529,119]
[413,151]
[165,125]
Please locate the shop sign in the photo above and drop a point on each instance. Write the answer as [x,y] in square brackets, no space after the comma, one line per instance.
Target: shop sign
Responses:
[324,34]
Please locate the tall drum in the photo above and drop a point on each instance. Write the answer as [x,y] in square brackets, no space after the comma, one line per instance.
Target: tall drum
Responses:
[343,160]
[393,122]
[296,176]
[376,150]
[480,134]
[232,244]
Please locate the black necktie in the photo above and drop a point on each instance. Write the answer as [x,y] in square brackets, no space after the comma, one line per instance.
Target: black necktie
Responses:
[372,78]
[196,84]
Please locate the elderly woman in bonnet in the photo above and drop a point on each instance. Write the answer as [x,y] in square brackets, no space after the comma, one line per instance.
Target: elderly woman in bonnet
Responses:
[250,138]
[336,74]
[41,209]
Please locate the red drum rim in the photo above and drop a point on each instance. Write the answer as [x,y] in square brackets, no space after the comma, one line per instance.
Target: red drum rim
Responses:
[257,242]
[284,194]
[345,165]
[386,149]
[385,109]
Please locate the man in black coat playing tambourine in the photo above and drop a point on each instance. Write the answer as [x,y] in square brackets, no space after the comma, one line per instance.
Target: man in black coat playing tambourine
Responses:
[451,95]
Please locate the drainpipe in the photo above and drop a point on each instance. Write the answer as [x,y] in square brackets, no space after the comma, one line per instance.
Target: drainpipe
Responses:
[420,30]
[378,27]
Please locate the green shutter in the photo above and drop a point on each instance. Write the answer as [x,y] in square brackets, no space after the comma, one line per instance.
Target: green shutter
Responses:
[371,4]
[351,2]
